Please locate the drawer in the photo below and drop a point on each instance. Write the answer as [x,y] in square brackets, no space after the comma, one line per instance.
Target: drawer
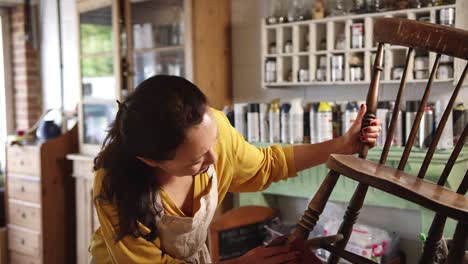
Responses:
[24,188]
[24,214]
[24,241]
[23,160]
[17,258]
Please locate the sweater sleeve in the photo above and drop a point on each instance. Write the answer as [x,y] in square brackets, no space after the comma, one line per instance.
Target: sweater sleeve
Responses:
[246,168]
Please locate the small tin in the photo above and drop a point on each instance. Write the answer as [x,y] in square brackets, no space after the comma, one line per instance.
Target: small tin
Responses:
[303,75]
[288,47]
[337,61]
[445,71]
[357,35]
[322,61]
[356,73]
[421,63]
[397,73]
[272,48]
[321,75]
[337,74]
[447,16]
[421,74]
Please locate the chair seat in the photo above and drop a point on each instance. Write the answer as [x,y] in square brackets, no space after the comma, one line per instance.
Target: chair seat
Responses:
[401,184]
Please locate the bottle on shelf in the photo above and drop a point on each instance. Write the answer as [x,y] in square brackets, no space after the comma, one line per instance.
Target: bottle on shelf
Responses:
[285,130]
[253,123]
[274,121]
[324,125]
[296,118]
[264,133]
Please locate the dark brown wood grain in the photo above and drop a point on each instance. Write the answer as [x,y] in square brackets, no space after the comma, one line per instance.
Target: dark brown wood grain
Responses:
[422,35]
[417,119]
[444,202]
[453,156]
[457,252]
[401,184]
[396,110]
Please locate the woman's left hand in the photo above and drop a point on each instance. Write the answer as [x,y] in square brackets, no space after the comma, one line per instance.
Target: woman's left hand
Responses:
[354,136]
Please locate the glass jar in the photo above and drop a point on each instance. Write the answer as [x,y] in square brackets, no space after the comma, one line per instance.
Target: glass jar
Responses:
[340,43]
[288,47]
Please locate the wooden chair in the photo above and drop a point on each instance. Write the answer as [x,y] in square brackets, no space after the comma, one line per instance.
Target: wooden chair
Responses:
[434,196]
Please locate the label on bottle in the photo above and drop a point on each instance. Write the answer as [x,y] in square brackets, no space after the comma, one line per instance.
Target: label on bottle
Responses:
[324,126]
[275,132]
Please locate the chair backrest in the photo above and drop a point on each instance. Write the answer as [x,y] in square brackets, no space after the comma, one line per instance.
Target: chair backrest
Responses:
[414,35]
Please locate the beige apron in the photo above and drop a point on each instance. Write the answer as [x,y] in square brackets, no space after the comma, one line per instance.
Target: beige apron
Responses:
[184,237]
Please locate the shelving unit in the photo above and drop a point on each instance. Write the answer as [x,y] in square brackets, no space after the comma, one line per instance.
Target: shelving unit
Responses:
[313,39]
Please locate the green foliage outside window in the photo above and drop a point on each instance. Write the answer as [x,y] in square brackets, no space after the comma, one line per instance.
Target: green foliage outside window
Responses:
[96,46]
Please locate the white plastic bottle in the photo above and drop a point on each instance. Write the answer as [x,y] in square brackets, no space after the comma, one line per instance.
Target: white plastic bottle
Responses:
[240,118]
[296,122]
[285,137]
[274,121]
[264,135]
[324,122]
[313,123]
[253,123]
[446,139]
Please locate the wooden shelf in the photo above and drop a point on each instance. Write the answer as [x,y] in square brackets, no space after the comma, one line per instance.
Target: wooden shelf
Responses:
[159,49]
[312,33]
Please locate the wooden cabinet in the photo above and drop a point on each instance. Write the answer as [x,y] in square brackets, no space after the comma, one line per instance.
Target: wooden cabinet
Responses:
[125,42]
[40,201]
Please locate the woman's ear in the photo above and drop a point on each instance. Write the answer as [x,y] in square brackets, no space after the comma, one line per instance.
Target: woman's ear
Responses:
[148,162]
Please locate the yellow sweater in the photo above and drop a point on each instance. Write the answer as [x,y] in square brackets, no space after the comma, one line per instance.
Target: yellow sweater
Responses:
[240,167]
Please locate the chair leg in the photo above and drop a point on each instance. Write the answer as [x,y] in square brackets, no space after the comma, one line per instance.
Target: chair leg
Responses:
[316,206]
[434,240]
[349,219]
[457,251]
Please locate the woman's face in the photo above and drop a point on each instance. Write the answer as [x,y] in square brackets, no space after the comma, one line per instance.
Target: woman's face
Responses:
[196,154]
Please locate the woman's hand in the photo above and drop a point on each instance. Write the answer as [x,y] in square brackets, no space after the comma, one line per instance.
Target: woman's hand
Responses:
[354,136]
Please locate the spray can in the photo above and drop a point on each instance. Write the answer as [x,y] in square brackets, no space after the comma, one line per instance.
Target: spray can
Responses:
[306,123]
[336,119]
[240,118]
[274,122]
[296,122]
[253,123]
[397,139]
[264,135]
[313,123]
[458,122]
[381,113]
[410,116]
[428,129]
[285,137]
[324,122]
[349,116]
[446,139]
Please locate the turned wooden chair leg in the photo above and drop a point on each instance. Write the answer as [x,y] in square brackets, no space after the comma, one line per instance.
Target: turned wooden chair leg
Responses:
[349,219]
[457,251]
[315,208]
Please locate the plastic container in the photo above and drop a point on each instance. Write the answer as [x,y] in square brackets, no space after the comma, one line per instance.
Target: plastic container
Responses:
[296,125]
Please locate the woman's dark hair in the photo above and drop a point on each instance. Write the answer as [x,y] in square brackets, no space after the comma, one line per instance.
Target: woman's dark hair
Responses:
[151,123]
